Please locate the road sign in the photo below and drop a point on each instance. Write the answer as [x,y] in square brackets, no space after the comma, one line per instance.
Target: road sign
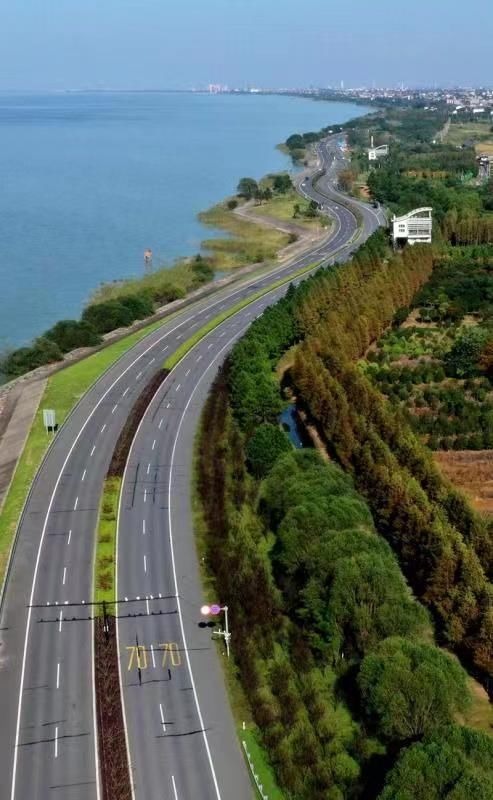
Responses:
[49,420]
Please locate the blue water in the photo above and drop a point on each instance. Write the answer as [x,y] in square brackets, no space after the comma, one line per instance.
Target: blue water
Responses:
[289,422]
[88,181]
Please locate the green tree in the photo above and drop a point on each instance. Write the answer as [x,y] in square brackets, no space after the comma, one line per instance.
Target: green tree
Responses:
[42,351]
[70,334]
[247,188]
[264,448]
[108,316]
[282,183]
[411,688]
[453,763]
[464,358]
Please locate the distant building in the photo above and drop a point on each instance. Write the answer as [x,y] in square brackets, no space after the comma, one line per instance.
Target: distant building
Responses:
[374,153]
[415,227]
[485,164]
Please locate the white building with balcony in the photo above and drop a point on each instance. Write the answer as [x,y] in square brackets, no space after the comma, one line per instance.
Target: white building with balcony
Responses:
[414,227]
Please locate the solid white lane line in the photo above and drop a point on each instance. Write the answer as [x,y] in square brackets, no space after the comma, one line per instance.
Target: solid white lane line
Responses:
[145,564]
[76,503]
[84,474]
[93,449]
[60,622]
[152,657]
[162,716]
[153,444]
[241,289]
[114,408]
[160,423]
[56,741]
[178,388]
[125,392]
[174,787]
[58,675]
[143,526]
[64,576]
[173,561]
[69,536]
[187,373]
[102,429]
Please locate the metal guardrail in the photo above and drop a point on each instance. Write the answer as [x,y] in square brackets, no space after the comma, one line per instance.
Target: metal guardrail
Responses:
[254,774]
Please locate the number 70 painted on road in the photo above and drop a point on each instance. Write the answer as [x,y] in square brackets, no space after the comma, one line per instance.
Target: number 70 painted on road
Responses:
[137,655]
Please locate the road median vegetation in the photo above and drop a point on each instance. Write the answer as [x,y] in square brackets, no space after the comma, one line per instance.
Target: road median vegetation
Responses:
[187,345]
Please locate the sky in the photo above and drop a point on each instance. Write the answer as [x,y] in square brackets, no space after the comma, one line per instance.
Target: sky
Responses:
[139,44]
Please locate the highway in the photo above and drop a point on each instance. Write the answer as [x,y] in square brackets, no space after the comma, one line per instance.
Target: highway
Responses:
[182,741]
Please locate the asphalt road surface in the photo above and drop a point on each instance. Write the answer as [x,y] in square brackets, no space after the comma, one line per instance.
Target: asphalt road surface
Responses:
[182,740]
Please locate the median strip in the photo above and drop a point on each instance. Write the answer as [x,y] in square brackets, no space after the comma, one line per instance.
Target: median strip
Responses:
[187,345]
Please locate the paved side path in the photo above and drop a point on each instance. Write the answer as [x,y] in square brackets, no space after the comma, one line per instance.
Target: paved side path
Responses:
[17,410]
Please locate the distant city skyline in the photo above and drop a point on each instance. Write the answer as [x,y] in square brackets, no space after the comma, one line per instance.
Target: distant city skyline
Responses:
[146,44]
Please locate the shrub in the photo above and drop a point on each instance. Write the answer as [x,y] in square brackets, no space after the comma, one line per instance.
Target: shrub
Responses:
[70,334]
[43,351]
[108,316]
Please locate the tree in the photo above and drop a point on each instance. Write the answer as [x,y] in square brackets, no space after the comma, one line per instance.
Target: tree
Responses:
[453,763]
[70,334]
[464,358]
[295,142]
[264,448]
[346,180]
[282,183]
[409,688]
[247,188]
[107,316]
[43,351]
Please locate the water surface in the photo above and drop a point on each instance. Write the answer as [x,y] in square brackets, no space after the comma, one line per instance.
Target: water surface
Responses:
[88,181]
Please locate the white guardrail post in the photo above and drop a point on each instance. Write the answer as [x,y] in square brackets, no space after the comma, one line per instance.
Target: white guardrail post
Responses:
[252,770]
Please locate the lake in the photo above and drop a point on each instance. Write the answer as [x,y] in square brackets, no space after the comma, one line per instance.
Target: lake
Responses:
[89,180]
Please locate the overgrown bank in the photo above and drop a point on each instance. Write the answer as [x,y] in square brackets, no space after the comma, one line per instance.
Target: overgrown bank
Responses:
[338,660]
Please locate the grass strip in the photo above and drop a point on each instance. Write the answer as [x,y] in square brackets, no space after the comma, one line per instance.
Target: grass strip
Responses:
[62,392]
[187,345]
[260,770]
[104,563]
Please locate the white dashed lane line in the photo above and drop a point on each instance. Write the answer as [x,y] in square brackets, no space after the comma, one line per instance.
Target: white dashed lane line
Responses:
[92,451]
[76,503]
[114,408]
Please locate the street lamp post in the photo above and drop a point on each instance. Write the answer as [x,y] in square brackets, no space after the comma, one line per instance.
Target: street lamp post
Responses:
[212,611]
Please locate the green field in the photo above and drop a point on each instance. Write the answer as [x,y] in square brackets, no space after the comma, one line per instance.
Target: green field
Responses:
[282,207]
[249,243]
[480,132]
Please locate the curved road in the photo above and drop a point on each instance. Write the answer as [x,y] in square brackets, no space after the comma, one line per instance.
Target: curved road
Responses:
[181,735]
